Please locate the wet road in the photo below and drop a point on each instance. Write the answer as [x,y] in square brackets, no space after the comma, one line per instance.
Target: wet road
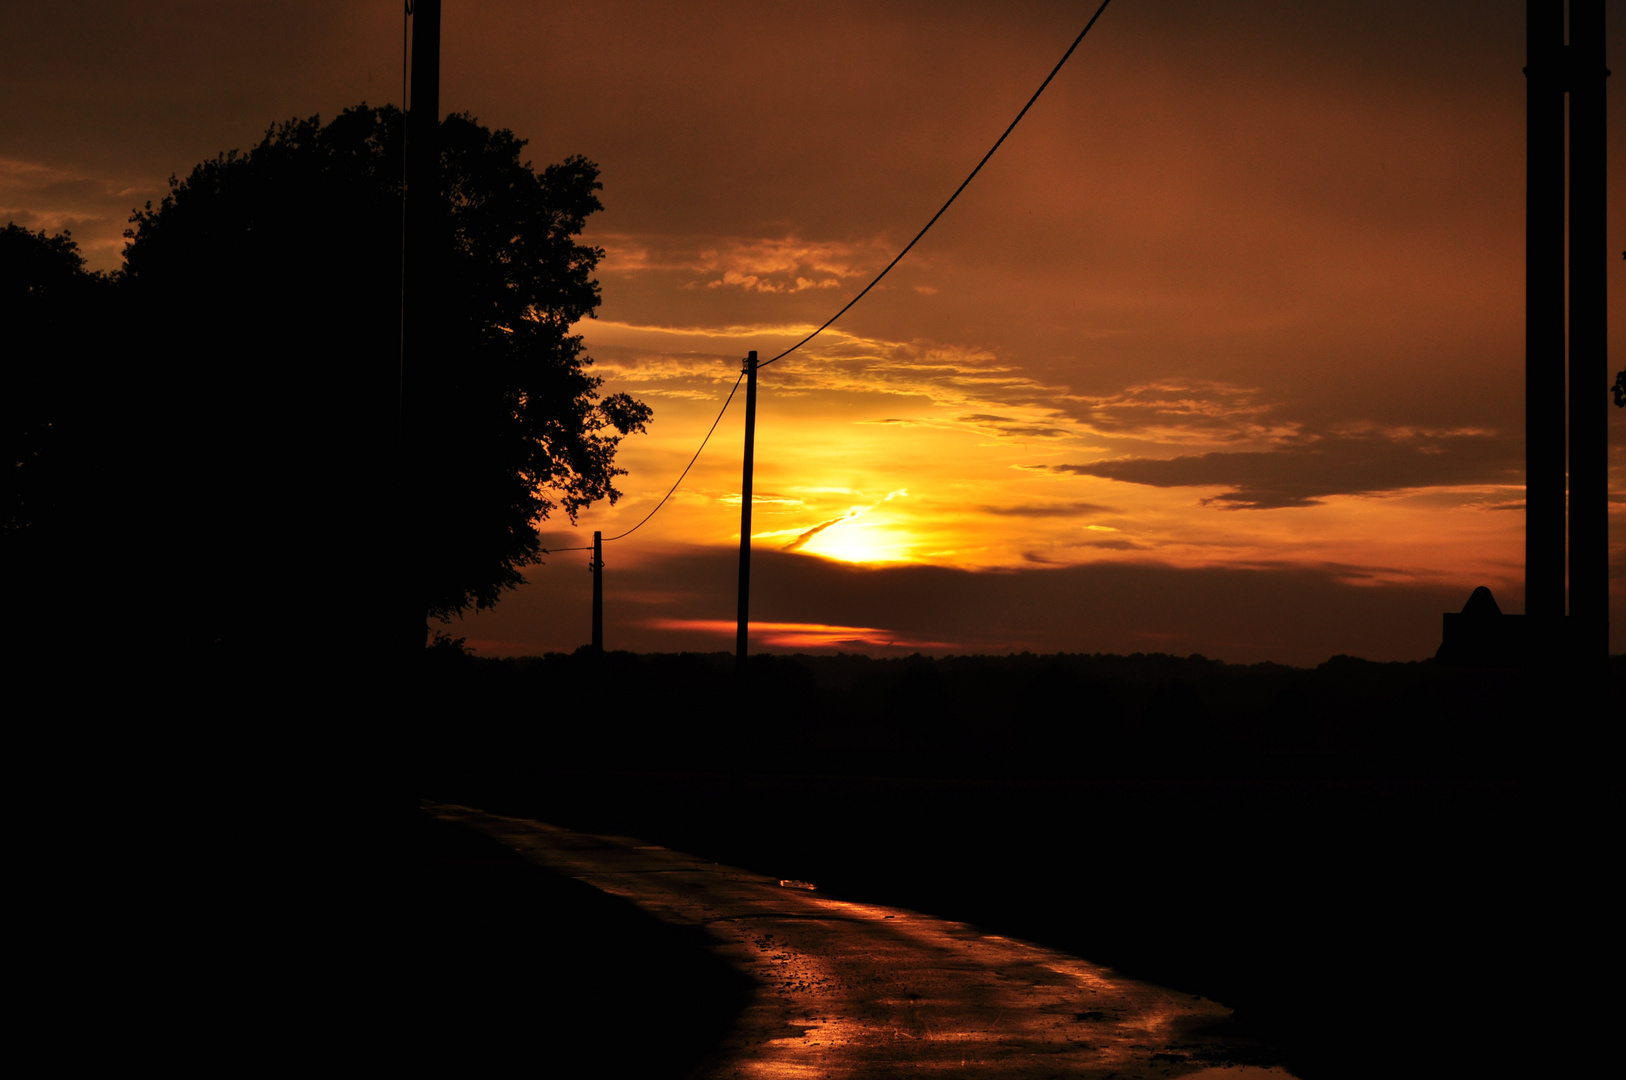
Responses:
[854,990]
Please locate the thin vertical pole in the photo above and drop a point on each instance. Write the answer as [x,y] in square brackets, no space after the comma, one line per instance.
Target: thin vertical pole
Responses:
[598,591]
[1589,337]
[742,634]
[426,61]
[420,326]
[1544,292]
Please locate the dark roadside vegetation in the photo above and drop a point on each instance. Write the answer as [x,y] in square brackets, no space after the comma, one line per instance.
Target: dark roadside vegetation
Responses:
[1385,869]
[519,969]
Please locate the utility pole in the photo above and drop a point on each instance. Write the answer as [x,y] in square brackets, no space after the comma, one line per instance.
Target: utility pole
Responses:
[598,592]
[1544,307]
[420,327]
[1566,304]
[1589,338]
[742,634]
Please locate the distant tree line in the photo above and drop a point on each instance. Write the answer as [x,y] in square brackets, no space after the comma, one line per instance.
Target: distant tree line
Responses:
[1021,715]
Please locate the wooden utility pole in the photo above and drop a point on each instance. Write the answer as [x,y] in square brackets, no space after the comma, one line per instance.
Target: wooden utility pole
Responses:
[1544,306]
[1566,305]
[598,591]
[1589,338]
[420,325]
[742,634]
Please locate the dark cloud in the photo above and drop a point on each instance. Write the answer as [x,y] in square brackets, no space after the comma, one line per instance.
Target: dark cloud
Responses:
[1305,472]
[1032,432]
[1343,571]
[1110,544]
[1070,509]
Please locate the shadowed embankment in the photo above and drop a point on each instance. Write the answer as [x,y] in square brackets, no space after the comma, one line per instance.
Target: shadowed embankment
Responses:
[1385,869]
[516,967]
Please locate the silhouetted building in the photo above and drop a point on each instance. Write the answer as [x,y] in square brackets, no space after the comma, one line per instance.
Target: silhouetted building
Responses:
[1481,636]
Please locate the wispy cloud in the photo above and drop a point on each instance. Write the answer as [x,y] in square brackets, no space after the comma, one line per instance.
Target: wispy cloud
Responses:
[1184,412]
[804,537]
[1047,510]
[955,387]
[1111,544]
[787,264]
[857,511]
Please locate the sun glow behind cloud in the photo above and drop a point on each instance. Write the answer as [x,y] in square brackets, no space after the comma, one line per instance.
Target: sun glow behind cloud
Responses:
[875,452]
[867,542]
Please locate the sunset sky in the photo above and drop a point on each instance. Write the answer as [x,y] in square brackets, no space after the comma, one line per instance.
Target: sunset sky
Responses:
[1221,353]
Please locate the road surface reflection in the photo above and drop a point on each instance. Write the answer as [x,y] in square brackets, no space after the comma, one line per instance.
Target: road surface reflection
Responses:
[849,989]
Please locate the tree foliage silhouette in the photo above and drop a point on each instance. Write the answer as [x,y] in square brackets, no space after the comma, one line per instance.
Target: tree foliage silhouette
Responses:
[48,301]
[266,286]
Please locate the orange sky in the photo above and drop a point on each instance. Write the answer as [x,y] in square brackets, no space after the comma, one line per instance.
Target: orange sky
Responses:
[1222,352]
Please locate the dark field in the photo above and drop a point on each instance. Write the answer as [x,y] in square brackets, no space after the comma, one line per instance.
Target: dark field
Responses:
[1385,869]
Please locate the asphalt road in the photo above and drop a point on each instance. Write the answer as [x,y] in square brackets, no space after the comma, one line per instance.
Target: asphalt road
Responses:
[847,989]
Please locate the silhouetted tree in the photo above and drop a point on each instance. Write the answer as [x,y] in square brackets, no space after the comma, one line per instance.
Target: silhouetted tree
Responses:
[266,289]
[48,304]
[54,319]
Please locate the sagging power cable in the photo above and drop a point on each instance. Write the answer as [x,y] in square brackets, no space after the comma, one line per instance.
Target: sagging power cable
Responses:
[673,489]
[888,269]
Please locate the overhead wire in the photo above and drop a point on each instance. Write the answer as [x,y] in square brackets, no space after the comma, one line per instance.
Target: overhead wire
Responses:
[400,372]
[673,489]
[828,322]
[951,198]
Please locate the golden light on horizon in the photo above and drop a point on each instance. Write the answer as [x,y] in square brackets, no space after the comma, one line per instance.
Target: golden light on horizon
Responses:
[783,635]
[876,453]
[865,534]
[863,542]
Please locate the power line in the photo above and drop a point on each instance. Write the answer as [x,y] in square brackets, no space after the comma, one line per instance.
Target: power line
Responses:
[673,489]
[957,190]
[1000,141]
[690,465]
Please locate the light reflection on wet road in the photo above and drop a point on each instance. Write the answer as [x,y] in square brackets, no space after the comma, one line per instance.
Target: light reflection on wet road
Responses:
[856,990]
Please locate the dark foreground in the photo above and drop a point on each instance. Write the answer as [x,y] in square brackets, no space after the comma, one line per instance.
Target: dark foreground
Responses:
[1384,869]
[518,969]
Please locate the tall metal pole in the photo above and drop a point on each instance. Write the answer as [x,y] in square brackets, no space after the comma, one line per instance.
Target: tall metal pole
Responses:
[742,634]
[598,591]
[420,327]
[425,115]
[1589,337]
[1544,291]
